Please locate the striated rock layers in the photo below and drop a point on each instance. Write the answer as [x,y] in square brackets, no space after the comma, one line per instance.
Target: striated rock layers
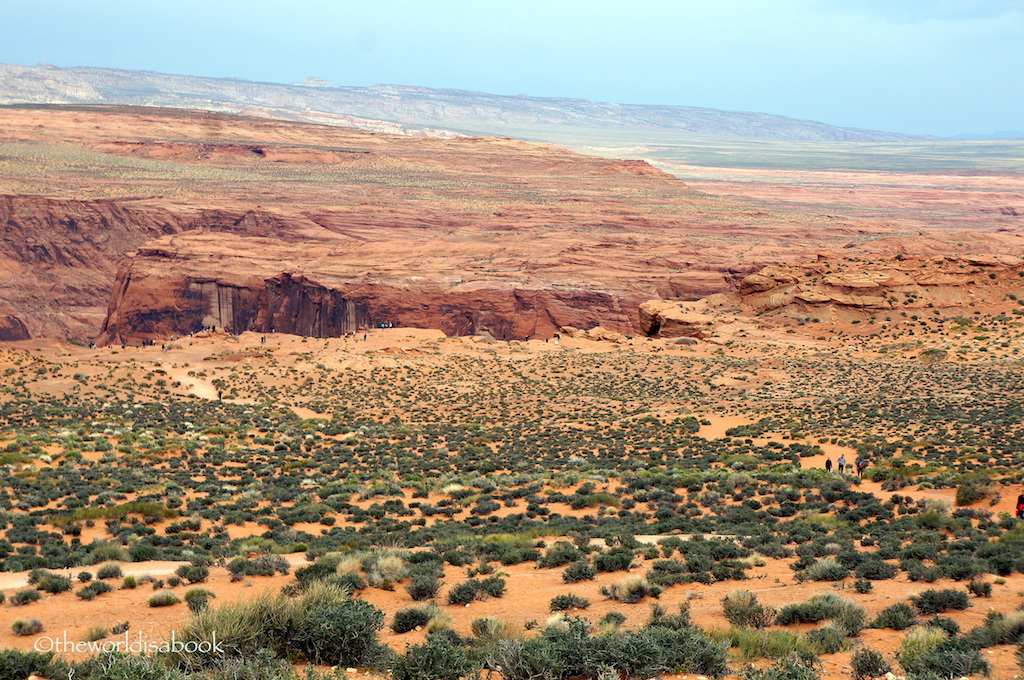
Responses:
[142,223]
[847,289]
[841,291]
[178,285]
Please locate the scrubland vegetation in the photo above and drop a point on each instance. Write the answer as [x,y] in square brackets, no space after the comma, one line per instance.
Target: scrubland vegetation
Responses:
[425,464]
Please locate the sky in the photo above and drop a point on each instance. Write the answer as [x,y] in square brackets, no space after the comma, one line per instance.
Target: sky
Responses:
[939,67]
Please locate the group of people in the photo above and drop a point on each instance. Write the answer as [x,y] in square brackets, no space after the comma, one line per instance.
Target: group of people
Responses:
[857,467]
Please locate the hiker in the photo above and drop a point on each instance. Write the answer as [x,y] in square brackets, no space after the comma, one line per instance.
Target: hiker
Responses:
[1020,506]
[861,466]
[828,465]
[842,464]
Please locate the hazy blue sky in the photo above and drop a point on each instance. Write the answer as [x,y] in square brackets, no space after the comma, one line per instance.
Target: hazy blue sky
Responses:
[938,67]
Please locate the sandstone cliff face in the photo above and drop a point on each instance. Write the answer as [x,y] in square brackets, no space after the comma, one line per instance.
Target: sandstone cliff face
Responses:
[844,289]
[261,224]
[151,301]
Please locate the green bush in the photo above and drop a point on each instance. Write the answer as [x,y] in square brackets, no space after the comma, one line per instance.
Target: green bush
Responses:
[828,639]
[875,570]
[793,667]
[493,586]
[862,586]
[410,618]
[616,559]
[193,573]
[423,587]
[561,603]
[18,665]
[130,582]
[341,632]
[579,571]
[980,588]
[23,597]
[741,608]
[630,590]
[465,592]
[198,599]
[899,616]
[109,570]
[53,584]
[164,598]
[938,601]
[827,569]
[940,656]
[866,663]
[29,627]
[559,554]
[436,659]
[323,625]
[90,591]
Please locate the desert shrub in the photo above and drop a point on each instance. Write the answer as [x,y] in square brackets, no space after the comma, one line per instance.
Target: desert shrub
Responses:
[436,659]
[521,659]
[489,629]
[827,569]
[875,570]
[350,580]
[198,599]
[107,552]
[972,491]
[752,643]
[561,603]
[938,601]
[334,629]
[899,616]
[109,570]
[792,667]
[130,582]
[862,586]
[866,663]
[493,586]
[828,639]
[423,587]
[323,625]
[23,597]
[17,665]
[193,573]
[630,590]
[465,592]
[91,590]
[818,608]
[412,617]
[96,633]
[661,618]
[559,554]
[741,608]
[929,652]
[164,598]
[616,559]
[122,666]
[579,571]
[54,583]
[944,623]
[27,627]
[980,588]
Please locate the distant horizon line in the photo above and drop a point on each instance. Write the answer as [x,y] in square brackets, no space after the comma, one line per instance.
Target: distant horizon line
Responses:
[312,82]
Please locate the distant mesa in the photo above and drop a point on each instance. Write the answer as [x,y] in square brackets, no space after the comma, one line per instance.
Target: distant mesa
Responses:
[401,109]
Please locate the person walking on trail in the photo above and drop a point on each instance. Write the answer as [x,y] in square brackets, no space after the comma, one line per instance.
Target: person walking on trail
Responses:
[1020,506]
[828,465]
[841,463]
[861,465]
